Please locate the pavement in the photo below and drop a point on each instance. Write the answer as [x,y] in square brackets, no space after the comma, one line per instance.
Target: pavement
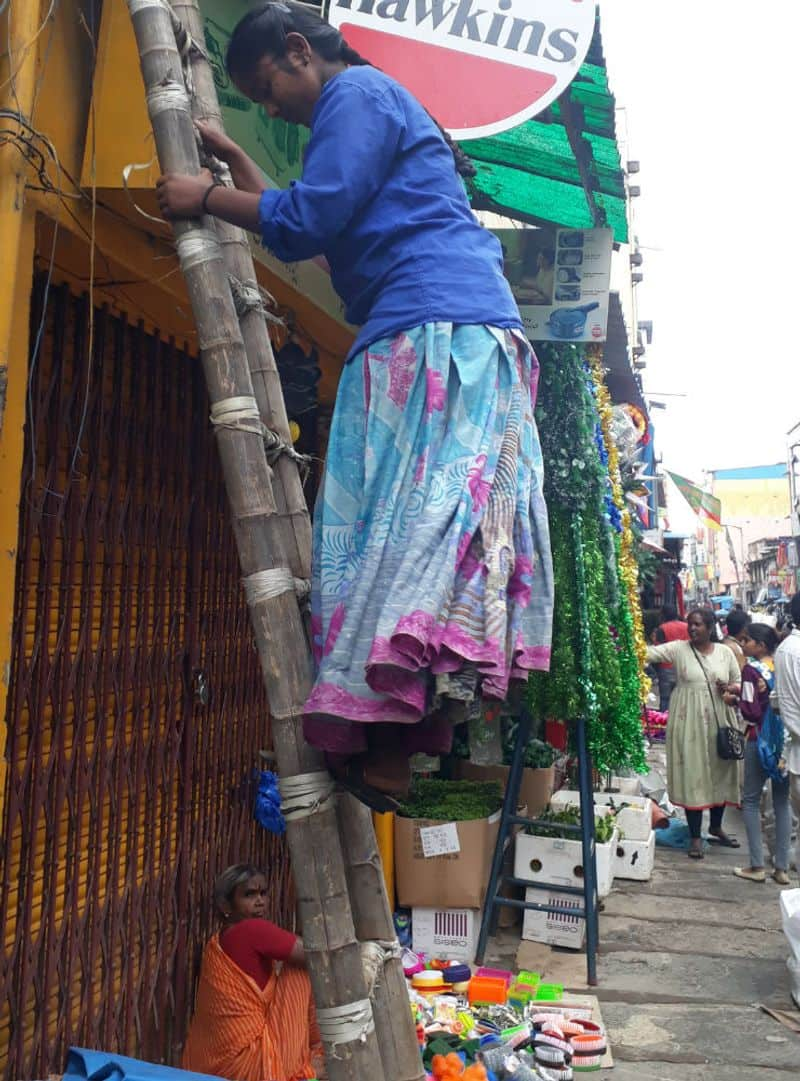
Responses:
[686,960]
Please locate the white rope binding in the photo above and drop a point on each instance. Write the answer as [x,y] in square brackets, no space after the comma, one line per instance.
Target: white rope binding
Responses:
[238,413]
[264,585]
[346,1024]
[167,96]
[375,956]
[305,795]
[198,247]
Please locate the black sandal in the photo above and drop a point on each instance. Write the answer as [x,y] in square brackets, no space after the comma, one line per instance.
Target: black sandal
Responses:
[724,841]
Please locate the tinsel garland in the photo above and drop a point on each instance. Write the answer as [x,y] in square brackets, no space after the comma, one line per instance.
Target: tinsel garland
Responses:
[628,571]
[594,669]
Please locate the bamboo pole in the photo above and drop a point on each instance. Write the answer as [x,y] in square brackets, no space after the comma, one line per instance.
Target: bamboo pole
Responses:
[334,954]
[372,915]
[289,496]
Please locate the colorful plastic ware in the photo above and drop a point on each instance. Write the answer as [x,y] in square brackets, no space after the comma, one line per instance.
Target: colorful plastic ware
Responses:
[488,990]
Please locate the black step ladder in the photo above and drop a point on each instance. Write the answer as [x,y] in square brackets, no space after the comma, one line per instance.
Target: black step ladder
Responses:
[509,818]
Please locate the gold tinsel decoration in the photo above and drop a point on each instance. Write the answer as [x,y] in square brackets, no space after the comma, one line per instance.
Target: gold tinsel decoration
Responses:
[628,569]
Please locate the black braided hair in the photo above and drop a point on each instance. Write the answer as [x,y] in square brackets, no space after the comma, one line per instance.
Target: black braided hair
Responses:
[263,31]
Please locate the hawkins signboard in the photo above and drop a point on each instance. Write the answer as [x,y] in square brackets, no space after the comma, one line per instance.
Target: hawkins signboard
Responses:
[479,66]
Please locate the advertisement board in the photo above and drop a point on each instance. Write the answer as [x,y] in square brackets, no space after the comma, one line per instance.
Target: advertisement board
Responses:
[479,66]
[560,279]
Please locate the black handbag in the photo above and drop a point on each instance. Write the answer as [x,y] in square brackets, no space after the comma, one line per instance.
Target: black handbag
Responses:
[730,740]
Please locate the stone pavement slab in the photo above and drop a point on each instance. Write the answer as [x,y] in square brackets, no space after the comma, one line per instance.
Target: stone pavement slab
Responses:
[724,938]
[755,910]
[737,1036]
[661,977]
[672,1071]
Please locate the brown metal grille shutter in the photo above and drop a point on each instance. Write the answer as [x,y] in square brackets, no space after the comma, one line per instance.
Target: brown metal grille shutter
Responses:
[125,794]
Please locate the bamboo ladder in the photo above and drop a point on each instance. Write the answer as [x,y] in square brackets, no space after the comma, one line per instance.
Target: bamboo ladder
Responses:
[344,912]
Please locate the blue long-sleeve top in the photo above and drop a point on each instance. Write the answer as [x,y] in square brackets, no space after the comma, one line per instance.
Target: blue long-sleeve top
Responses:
[381,200]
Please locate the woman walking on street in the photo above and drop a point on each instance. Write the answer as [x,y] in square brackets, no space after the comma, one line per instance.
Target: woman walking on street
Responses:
[762,760]
[432,577]
[707,681]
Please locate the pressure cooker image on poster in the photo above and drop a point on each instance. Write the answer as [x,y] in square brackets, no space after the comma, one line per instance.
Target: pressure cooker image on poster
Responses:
[560,279]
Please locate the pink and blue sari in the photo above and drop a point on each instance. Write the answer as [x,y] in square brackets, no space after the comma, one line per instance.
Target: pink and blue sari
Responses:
[432,570]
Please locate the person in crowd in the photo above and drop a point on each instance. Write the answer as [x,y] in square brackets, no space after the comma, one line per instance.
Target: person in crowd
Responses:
[706,692]
[254,1014]
[787,687]
[736,626]
[758,683]
[670,629]
[432,576]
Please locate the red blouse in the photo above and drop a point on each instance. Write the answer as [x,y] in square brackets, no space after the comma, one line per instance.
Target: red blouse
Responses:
[254,945]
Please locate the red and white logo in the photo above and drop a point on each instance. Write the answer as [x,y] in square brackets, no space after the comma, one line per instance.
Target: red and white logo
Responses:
[479,66]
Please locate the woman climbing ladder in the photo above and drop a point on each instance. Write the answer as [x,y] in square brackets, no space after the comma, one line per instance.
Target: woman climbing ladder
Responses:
[432,580]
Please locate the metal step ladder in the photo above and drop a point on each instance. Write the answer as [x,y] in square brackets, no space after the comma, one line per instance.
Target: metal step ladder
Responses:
[509,819]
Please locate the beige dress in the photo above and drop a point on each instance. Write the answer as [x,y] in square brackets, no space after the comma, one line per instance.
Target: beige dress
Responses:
[697,777]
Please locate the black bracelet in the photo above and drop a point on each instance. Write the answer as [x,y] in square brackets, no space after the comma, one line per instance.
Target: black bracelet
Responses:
[206,193]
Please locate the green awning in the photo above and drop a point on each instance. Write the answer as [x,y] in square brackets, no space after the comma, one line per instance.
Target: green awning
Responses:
[563,167]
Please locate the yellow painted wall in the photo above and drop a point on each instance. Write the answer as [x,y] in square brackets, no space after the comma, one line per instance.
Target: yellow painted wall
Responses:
[18,280]
[753,498]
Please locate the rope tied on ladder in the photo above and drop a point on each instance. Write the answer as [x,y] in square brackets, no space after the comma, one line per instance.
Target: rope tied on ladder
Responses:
[252,297]
[346,1024]
[374,958]
[264,585]
[241,414]
[306,794]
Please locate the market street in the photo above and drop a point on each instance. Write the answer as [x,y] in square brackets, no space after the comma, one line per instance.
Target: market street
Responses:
[684,960]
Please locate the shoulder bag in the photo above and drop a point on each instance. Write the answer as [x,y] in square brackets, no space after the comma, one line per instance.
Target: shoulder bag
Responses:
[730,740]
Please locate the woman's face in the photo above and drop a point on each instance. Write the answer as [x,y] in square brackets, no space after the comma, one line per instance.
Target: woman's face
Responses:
[249,900]
[287,88]
[753,648]
[698,631]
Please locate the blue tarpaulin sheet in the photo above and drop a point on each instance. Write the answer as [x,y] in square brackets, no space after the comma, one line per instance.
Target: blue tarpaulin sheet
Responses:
[107,1066]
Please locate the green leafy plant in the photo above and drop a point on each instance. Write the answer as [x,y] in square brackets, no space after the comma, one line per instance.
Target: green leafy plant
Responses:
[538,753]
[452,801]
[551,824]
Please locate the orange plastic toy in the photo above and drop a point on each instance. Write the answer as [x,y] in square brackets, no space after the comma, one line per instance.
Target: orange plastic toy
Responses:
[451,1068]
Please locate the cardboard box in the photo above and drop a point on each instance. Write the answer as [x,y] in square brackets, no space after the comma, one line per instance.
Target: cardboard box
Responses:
[554,929]
[448,934]
[634,860]
[634,820]
[534,792]
[455,880]
[559,862]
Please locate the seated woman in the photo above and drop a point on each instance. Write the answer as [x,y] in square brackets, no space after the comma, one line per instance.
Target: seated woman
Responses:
[254,1015]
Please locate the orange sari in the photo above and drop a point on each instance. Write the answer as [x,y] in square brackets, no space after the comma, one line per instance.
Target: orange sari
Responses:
[245,1033]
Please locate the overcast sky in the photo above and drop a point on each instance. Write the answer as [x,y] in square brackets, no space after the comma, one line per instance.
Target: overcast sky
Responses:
[709,93]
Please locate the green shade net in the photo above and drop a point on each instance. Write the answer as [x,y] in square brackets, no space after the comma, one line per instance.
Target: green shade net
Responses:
[532,172]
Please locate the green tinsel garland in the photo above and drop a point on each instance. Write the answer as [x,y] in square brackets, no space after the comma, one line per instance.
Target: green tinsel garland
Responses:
[594,669]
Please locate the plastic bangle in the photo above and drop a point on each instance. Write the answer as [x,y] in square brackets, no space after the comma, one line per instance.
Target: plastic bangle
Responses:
[206,193]
[542,1039]
[550,1056]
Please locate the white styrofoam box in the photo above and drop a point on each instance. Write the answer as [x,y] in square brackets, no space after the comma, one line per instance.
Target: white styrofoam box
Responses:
[553,928]
[635,860]
[447,934]
[628,786]
[559,862]
[634,820]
